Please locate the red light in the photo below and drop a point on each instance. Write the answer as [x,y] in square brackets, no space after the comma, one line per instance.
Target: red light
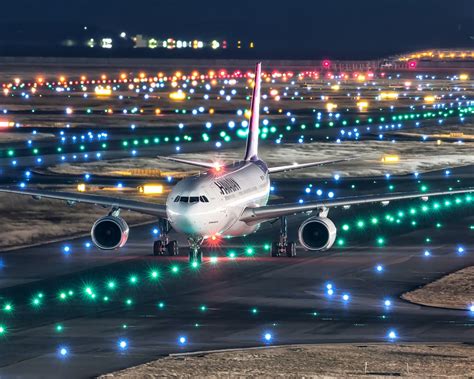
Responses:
[412,64]
[326,63]
[214,241]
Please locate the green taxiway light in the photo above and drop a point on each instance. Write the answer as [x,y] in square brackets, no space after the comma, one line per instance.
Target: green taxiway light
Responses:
[203,308]
[249,251]
[3,329]
[214,260]
[129,301]
[59,328]
[111,285]
[254,311]
[380,241]
[36,302]
[345,227]
[8,307]
[154,274]
[267,247]
[161,305]
[194,264]
[133,279]
[174,269]
[231,254]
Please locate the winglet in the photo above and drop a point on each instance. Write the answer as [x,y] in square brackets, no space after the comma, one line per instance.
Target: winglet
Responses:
[251,153]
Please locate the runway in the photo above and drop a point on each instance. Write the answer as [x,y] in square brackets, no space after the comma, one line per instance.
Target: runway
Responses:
[244,298]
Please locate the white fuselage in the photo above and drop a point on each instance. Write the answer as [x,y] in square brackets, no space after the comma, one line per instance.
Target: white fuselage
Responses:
[211,204]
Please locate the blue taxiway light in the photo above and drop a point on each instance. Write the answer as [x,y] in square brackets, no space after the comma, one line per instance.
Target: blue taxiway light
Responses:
[182,340]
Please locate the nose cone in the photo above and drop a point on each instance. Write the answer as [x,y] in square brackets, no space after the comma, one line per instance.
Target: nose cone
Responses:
[187,218]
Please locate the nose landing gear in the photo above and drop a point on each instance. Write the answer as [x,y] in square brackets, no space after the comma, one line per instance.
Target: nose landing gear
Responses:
[195,252]
[164,246]
[283,246]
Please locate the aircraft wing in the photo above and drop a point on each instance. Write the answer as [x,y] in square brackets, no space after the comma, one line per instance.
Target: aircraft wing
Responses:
[296,166]
[188,162]
[105,201]
[270,212]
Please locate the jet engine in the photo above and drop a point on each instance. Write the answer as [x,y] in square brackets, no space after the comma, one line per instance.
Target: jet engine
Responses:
[317,234]
[110,233]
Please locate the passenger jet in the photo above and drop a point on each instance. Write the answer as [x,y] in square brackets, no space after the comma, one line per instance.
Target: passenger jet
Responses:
[225,201]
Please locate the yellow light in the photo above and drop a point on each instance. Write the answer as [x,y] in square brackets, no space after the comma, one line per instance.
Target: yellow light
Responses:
[362,105]
[247,114]
[464,77]
[81,187]
[6,124]
[361,78]
[157,111]
[390,158]
[101,91]
[331,106]
[388,96]
[335,87]
[430,99]
[178,95]
[151,189]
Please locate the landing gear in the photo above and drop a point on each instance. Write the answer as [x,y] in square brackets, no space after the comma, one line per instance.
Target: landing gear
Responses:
[195,252]
[283,246]
[164,246]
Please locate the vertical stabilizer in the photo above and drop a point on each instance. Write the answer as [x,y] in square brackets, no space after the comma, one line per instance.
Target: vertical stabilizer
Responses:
[251,153]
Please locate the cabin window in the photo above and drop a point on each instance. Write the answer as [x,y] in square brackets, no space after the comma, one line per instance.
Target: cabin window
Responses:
[204,199]
[184,199]
[176,200]
[194,199]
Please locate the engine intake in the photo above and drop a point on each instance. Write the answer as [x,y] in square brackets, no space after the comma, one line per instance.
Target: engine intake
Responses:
[110,233]
[317,234]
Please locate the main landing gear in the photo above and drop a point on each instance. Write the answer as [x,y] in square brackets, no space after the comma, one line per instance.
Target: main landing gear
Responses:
[282,246]
[195,252]
[164,246]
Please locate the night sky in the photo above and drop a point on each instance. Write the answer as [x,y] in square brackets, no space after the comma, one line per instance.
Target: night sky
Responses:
[291,26]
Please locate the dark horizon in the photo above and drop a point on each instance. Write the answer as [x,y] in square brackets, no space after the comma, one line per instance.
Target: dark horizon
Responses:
[339,29]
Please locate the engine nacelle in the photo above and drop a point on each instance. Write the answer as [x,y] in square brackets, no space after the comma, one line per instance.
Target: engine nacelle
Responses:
[110,233]
[317,234]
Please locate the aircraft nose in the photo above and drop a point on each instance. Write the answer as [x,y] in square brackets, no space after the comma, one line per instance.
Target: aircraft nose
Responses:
[185,218]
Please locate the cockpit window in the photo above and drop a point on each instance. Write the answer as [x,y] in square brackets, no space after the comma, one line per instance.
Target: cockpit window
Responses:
[191,199]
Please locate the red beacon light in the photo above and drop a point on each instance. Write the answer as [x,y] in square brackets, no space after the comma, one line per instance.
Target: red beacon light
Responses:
[326,63]
[412,65]
[217,167]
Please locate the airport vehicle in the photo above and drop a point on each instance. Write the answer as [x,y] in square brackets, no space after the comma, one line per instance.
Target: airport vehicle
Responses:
[226,200]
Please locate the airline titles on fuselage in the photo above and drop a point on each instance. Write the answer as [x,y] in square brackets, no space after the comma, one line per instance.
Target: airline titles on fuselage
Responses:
[227,186]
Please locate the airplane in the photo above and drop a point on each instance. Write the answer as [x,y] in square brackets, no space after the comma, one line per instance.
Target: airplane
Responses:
[225,201]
